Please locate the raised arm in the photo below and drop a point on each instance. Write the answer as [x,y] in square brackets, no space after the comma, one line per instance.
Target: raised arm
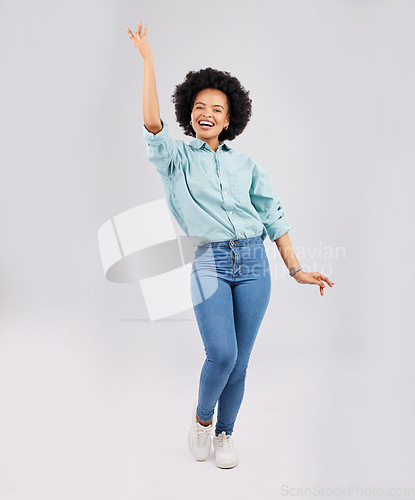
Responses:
[151,110]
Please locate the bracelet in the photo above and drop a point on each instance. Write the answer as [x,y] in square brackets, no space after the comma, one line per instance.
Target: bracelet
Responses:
[293,271]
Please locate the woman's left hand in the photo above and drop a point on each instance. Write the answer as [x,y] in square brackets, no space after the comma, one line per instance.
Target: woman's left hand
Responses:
[313,278]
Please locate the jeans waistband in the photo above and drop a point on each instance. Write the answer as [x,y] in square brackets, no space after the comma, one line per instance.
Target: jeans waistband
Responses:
[233,242]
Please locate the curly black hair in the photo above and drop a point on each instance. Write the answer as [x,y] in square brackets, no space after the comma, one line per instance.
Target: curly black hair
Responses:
[239,102]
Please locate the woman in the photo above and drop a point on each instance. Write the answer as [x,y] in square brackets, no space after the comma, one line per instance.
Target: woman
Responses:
[225,204]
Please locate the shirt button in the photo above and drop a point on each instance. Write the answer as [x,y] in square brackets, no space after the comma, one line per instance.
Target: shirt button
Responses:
[220,173]
[240,234]
[230,212]
[226,192]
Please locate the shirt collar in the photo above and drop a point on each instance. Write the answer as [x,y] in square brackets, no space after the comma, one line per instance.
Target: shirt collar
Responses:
[198,143]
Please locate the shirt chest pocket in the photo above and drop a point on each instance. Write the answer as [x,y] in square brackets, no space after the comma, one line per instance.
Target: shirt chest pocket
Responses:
[244,180]
[208,167]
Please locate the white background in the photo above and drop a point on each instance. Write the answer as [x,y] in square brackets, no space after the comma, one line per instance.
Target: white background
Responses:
[96,400]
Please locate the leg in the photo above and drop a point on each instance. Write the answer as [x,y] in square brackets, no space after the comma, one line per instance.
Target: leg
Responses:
[214,315]
[250,301]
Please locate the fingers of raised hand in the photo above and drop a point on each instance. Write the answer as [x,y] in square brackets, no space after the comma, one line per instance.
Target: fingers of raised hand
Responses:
[140,33]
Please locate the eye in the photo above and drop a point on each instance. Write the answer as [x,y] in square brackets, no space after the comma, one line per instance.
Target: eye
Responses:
[218,110]
[198,107]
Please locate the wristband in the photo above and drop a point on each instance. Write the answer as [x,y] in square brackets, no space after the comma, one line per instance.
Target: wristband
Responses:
[293,271]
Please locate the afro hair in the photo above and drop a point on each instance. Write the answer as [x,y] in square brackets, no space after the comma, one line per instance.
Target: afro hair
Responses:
[239,102]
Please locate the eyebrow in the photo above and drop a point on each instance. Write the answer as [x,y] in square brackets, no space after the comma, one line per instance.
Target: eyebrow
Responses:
[198,102]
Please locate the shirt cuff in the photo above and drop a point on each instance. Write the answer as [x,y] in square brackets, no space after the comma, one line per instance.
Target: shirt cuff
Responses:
[155,139]
[278,228]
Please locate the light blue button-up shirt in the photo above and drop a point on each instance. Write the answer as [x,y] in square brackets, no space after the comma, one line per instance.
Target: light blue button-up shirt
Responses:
[215,196]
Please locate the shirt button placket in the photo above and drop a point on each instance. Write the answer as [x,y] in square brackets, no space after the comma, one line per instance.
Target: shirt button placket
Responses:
[225,193]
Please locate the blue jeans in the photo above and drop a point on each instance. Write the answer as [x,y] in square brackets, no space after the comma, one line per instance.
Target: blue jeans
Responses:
[230,287]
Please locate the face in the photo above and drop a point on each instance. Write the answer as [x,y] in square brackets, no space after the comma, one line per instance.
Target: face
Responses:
[210,105]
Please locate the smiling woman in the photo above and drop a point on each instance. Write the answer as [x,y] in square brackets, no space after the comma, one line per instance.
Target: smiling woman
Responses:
[226,205]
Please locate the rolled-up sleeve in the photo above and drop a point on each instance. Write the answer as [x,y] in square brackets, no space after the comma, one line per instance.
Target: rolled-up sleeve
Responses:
[267,204]
[162,151]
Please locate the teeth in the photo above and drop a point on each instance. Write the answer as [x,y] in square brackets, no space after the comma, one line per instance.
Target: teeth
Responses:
[206,123]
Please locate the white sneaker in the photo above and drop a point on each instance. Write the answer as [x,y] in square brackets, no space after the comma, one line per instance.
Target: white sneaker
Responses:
[199,439]
[225,453]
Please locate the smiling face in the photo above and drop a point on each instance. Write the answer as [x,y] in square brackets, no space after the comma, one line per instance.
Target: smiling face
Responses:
[211,106]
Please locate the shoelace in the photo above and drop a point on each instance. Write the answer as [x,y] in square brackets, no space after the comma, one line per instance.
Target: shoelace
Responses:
[225,441]
[202,434]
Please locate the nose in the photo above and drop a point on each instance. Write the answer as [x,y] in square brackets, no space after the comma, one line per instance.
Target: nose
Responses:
[207,114]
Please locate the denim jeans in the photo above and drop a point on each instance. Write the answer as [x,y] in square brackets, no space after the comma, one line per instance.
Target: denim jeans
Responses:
[230,287]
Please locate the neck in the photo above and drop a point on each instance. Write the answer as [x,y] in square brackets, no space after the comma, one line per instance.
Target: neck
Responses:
[213,142]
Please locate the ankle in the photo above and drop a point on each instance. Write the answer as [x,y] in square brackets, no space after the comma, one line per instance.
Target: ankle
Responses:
[205,424]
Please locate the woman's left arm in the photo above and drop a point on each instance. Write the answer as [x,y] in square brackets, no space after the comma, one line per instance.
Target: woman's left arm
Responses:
[288,255]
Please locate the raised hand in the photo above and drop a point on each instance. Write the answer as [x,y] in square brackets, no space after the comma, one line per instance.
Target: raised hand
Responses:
[140,41]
